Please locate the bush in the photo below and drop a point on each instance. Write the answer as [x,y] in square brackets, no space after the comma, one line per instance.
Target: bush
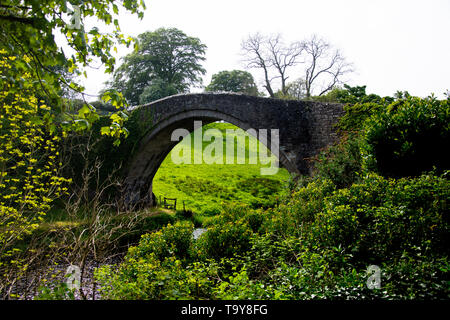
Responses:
[171,240]
[159,268]
[356,114]
[408,137]
[157,221]
[294,215]
[228,236]
[380,219]
[341,163]
[150,278]
[316,245]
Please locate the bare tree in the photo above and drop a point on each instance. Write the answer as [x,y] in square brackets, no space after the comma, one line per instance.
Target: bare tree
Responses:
[324,64]
[256,57]
[271,55]
[282,57]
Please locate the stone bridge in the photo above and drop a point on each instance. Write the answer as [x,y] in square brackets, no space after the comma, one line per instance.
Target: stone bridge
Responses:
[304,129]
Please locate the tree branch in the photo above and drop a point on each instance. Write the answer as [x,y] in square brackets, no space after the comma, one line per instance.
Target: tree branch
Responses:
[30,21]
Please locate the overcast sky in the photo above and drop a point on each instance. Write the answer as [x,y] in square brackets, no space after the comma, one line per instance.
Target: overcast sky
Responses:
[393,45]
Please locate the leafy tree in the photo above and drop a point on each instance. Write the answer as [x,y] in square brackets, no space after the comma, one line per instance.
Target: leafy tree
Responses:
[296,89]
[233,81]
[166,60]
[358,94]
[156,90]
[28,33]
[35,74]
[30,176]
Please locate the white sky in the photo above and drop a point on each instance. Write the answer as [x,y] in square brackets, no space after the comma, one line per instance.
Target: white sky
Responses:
[393,44]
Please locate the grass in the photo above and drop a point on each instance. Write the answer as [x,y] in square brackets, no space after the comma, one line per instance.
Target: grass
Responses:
[206,188]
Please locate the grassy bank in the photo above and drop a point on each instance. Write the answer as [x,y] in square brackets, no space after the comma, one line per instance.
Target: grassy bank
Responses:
[206,188]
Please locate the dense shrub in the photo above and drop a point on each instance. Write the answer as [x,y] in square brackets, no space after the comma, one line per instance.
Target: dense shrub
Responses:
[356,114]
[380,219]
[317,244]
[357,94]
[341,163]
[409,137]
[171,240]
[228,236]
[296,212]
[150,278]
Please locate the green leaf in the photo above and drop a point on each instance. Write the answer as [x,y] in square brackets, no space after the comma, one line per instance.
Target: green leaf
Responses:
[105,130]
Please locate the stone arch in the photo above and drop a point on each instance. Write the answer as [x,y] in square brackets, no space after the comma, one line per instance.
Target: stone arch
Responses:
[156,144]
[304,128]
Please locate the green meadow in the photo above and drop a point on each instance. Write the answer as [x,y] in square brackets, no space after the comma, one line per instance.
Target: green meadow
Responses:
[207,187]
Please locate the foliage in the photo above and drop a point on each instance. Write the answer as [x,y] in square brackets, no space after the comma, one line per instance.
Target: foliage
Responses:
[30,175]
[341,162]
[356,114]
[158,89]
[380,219]
[150,278]
[103,109]
[316,245]
[407,138]
[353,95]
[233,81]
[155,269]
[165,61]
[59,292]
[29,30]
[229,235]
[301,206]
[170,240]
